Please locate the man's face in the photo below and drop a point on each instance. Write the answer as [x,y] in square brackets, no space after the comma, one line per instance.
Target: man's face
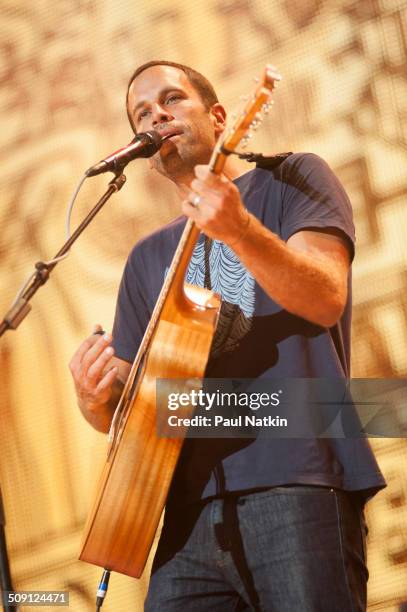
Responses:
[162,98]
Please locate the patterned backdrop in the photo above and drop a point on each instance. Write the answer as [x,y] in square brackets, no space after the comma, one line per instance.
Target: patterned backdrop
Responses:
[64,70]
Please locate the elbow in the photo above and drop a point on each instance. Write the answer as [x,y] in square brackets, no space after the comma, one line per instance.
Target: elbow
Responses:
[332,312]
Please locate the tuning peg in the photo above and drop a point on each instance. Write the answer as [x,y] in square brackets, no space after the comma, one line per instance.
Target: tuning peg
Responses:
[258,119]
[267,107]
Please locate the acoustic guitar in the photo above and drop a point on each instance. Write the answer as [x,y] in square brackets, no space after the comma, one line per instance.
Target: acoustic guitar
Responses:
[137,474]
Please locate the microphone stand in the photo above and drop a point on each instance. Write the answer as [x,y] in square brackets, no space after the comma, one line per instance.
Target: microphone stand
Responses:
[12,320]
[5,577]
[20,310]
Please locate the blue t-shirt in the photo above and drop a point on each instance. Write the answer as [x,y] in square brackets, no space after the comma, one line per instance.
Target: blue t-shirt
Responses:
[256,337]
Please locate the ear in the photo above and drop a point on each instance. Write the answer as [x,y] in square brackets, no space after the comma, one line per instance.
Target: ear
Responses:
[218,115]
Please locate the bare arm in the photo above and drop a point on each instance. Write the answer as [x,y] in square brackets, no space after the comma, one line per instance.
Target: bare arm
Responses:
[307,275]
[99,378]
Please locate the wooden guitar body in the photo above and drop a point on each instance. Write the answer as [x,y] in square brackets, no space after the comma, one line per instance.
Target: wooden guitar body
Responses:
[137,475]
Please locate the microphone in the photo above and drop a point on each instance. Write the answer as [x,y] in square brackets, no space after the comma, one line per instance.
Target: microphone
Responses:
[144,144]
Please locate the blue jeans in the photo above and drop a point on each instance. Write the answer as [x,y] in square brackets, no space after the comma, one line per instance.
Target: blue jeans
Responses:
[287,549]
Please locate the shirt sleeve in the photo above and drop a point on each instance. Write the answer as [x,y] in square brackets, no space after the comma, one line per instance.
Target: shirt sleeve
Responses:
[132,312]
[313,198]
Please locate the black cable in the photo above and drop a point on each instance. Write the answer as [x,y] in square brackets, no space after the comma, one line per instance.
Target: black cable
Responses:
[102,589]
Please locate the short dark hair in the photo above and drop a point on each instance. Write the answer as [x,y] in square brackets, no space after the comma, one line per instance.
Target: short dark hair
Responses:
[197,80]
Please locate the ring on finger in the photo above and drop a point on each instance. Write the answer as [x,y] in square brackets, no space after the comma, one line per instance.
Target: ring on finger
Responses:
[196,200]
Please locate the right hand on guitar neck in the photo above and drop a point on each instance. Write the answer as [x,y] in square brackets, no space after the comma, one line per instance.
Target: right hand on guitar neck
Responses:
[99,377]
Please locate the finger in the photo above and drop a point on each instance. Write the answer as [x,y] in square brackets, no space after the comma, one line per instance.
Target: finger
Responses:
[95,370]
[205,202]
[108,380]
[201,188]
[98,330]
[94,351]
[195,199]
[204,174]
[77,357]
[190,210]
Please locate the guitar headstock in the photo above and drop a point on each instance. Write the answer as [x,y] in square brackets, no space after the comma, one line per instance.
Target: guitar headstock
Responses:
[249,119]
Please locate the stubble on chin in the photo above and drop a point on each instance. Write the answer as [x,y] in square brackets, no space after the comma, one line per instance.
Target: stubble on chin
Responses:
[178,162]
[172,165]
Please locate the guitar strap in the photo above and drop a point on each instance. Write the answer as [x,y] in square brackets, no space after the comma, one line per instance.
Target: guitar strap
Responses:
[263,161]
[207,252]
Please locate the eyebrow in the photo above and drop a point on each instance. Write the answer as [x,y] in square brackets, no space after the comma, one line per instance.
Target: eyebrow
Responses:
[162,94]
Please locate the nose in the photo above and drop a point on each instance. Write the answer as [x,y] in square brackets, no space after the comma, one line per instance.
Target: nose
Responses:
[160,115]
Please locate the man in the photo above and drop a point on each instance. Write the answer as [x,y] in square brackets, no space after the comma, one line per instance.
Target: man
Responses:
[253,524]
